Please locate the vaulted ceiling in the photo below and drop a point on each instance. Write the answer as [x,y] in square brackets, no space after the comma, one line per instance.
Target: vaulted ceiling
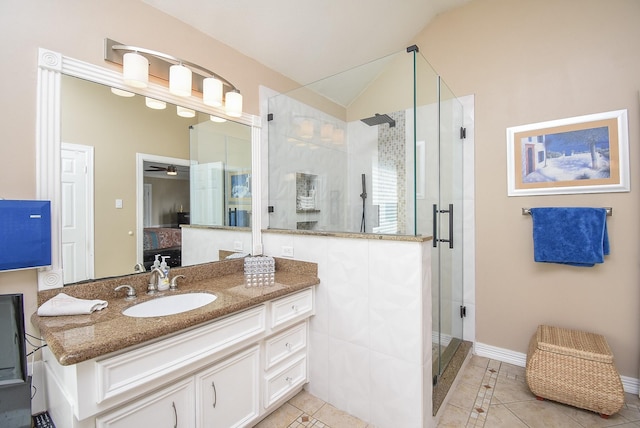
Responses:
[309,40]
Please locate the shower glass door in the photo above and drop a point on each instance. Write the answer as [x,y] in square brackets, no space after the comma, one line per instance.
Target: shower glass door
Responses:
[449,216]
[439,203]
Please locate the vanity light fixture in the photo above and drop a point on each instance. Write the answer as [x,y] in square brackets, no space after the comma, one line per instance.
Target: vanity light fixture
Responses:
[135,70]
[180,80]
[233,106]
[212,92]
[185,112]
[155,104]
[183,76]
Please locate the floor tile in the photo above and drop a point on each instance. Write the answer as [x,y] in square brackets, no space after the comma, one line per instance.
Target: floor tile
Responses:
[499,416]
[282,417]
[453,417]
[336,418]
[543,414]
[487,394]
[306,402]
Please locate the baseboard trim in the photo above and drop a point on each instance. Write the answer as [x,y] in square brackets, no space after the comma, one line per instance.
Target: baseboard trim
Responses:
[629,384]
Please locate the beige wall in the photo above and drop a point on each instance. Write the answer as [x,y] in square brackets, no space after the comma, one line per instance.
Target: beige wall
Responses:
[77,28]
[529,61]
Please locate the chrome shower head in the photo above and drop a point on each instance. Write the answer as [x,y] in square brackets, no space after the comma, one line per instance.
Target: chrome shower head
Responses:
[379,119]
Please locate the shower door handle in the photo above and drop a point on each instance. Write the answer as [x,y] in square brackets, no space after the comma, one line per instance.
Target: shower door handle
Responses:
[435,213]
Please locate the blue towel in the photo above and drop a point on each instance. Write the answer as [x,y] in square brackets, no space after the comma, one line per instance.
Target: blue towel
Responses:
[574,236]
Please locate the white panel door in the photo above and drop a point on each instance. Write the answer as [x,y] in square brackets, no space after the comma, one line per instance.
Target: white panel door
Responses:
[207,194]
[77,212]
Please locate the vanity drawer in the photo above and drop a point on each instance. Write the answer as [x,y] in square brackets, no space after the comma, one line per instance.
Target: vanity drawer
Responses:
[292,308]
[285,344]
[164,359]
[283,381]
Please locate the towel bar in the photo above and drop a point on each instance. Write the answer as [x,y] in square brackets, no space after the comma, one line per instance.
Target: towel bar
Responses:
[527,211]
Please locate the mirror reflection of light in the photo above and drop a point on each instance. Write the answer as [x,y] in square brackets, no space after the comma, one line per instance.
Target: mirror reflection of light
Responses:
[155,104]
[217,119]
[185,112]
[122,93]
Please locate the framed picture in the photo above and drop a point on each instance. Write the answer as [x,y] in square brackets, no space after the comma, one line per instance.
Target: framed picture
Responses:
[239,187]
[585,154]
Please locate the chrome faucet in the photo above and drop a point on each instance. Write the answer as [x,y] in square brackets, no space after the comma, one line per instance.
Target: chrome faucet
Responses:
[139,267]
[152,287]
[131,292]
[174,282]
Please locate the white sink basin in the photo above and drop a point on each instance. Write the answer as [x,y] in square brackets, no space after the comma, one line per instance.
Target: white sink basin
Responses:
[169,305]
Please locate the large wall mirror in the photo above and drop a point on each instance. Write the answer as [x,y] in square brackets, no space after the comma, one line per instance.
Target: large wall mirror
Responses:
[124,178]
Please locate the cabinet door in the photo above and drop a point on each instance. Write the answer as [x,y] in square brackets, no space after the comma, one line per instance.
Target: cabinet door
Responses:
[227,393]
[171,407]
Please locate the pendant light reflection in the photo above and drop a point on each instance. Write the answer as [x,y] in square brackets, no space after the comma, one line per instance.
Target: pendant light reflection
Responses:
[306,129]
[185,112]
[155,104]
[122,93]
[217,119]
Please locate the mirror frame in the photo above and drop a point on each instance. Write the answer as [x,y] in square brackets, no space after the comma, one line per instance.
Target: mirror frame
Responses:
[51,66]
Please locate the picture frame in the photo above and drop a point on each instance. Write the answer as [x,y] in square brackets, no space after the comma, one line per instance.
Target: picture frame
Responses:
[239,187]
[583,154]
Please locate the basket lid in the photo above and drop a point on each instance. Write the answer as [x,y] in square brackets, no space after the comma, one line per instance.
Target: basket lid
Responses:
[574,343]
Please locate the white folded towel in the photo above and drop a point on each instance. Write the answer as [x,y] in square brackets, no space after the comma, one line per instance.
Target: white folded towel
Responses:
[63,304]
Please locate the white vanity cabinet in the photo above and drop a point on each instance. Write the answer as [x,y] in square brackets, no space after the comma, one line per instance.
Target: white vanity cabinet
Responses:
[227,373]
[227,393]
[170,407]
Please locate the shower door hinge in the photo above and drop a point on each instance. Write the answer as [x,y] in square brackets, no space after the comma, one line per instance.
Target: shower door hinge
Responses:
[269,117]
[463,133]
[463,311]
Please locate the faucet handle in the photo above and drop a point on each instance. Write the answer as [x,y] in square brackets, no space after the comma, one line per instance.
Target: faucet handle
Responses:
[131,292]
[174,282]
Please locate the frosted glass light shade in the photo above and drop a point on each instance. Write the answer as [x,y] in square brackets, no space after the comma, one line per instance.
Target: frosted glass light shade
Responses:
[135,70]
[233,104]
[185,112]
[212,92]
[155,104]
[180,80]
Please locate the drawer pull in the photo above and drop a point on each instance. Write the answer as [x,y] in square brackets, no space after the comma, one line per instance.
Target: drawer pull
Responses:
[175,415]
[294,308]
[288,346]
[289,379]
[215,394]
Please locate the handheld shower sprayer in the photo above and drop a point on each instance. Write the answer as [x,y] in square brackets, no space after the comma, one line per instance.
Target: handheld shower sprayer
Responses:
[363,195]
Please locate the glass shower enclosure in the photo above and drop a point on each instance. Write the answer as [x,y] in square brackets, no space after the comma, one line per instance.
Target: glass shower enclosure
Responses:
[376,149]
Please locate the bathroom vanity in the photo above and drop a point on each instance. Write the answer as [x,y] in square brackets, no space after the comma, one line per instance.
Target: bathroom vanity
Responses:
[226,364]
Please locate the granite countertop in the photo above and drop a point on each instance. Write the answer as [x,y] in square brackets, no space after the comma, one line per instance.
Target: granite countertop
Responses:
[77,338]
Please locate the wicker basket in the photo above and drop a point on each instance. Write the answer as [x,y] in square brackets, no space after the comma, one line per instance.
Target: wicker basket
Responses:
[575,368]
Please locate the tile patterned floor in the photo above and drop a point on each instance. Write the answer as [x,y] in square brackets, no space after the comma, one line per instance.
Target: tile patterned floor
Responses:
[492,394]
[487,394]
